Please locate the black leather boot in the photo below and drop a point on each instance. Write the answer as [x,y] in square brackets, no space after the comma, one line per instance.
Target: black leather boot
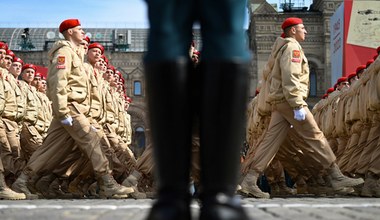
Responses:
[222,116]
[170,114]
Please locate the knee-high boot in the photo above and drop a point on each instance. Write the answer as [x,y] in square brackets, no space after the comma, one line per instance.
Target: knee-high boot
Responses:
[170,113]
[222,116]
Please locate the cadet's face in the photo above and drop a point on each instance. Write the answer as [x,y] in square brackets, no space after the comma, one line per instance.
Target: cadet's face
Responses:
[98,65]
[2,56]
[104,66]
[28,75]
[8,61]
[42,86]
[78,34]
[300,32]
[36,81]
[94,55]
[15,69]
[353,80]
[110,76]
[85,45]
[343,85]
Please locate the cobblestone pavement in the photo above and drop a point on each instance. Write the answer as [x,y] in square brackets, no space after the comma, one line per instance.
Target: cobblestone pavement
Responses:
[304,208]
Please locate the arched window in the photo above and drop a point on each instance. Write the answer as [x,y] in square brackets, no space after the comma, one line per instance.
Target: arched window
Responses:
[140,137]
[313,82]
[137,88]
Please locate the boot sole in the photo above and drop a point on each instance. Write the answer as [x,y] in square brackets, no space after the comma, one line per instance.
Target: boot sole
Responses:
[4,197]
[256,195]
[351,183]
[125,196]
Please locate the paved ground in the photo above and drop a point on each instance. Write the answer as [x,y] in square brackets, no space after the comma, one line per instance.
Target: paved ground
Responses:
[303,208]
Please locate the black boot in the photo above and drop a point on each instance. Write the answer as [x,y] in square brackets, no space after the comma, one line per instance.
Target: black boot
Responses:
[168,87]
[222,116]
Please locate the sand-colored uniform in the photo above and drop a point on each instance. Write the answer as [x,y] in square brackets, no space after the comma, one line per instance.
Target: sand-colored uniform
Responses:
[30,138]
[2,129]
[329,119]
[10,132]
[356,124]
[69,91]
[369,160]
[365,121]
[45,115]
[288,90]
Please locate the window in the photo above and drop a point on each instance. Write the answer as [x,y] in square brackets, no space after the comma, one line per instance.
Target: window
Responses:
[313,82]
[140,137]
[137,88]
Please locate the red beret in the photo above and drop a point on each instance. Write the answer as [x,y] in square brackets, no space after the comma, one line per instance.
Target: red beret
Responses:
[352,75]
[128,99]
[105,59]
[290,22]
[18,59]
[325,96]
[369,62]
[360,68]
[119,73]
[330,90]
[27,66]
[69,23]
[96,45]
[111,68]
[341,79]
[37,74]
[87,39]
[3,45]
[10,53]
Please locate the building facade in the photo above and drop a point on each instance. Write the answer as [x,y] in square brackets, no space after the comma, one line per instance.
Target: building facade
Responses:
[265,27]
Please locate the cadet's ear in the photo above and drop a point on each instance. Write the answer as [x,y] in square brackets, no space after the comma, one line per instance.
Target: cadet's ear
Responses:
[293,29]
[70,31]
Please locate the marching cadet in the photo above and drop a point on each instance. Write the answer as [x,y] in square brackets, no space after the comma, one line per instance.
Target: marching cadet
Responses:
[355,125]
[365,121]
[128,122]
[371,150]
[16,67]
[8,59]
[341,131]
[10,144]
[45,115]
[288,91]
[329,115]
[68,90]
[30,138]
[5,191]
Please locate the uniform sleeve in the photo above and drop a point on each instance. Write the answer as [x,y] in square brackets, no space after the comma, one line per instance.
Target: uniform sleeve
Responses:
[291,70]
[59,72]
[2,95]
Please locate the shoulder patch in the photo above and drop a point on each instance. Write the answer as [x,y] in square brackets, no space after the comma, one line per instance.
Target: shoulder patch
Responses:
[61,60]
[296,54]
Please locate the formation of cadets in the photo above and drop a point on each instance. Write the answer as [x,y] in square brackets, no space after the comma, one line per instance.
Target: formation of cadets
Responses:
[67,135]
[348,116]
[43,152]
